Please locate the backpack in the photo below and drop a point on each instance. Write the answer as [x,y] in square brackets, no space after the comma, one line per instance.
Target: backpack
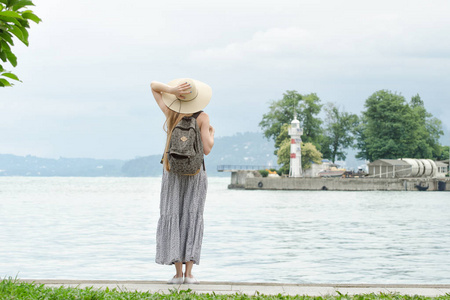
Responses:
[185,152]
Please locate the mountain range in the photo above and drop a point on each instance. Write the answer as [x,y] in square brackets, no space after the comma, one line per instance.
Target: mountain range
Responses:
[249,148]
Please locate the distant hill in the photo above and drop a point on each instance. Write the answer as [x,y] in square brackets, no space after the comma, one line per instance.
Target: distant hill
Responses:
[13,165]
[248,148]
[241,149]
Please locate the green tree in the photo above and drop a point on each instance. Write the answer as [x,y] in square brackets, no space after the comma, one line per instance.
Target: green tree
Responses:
[428,131]
[310,155]
[14,19]
[445,152]
[311,124]
[339,132]
[281,112]
[392,128]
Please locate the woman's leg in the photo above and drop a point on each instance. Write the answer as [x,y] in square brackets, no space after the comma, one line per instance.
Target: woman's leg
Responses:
[179,269]
[189,265]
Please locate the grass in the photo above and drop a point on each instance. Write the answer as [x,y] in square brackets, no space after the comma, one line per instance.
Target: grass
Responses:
[14,289]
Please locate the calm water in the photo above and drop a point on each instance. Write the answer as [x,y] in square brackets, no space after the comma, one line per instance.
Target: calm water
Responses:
[104,228]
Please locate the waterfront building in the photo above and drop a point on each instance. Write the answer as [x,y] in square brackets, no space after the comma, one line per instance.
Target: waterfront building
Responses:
[407,167]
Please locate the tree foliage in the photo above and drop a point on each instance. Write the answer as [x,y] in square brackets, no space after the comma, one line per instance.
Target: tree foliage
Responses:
[339,132]
[311,124]
[281,112]
[309,153]
[14,22]
[392,128]
[445,153]
[389,127]
[428,131]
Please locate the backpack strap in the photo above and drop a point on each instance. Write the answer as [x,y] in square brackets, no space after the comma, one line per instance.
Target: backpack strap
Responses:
[195,115]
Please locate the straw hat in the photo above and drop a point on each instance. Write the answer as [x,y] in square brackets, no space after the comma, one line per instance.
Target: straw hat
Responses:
[193,102]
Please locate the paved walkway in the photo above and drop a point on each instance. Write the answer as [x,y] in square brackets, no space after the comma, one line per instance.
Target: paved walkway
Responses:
[248,288]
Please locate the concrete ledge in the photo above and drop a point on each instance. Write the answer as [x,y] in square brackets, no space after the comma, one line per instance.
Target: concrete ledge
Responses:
[342,184]
[250,288]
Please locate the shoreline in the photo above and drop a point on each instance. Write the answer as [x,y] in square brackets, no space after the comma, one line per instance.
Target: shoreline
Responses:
[252,288]
[242,180]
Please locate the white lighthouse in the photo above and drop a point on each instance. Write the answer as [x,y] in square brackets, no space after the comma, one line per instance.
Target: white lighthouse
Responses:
[295,133]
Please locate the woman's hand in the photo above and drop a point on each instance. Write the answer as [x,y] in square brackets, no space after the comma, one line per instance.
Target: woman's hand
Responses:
[181,90]
[211,130]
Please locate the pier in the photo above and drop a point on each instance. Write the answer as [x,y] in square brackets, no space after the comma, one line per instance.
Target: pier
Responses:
[240,173]
[247,177]
[236,168]
[346,184]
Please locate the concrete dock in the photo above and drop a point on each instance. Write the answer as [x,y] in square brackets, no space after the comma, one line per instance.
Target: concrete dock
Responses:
[248,181]
[251,288]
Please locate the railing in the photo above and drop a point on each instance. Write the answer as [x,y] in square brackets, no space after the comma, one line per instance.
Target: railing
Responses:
[229,168]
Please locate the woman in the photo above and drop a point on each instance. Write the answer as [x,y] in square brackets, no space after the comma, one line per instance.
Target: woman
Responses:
[180,227]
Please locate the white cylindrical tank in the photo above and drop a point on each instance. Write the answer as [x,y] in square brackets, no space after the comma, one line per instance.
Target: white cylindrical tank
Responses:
[434,168]
[428,167]
[421,167]
[413,171]
[414,168]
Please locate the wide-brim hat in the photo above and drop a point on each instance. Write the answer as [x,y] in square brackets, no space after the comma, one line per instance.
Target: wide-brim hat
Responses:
[193,102]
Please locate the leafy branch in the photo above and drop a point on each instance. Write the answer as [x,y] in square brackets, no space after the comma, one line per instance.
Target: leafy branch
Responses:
[14,21]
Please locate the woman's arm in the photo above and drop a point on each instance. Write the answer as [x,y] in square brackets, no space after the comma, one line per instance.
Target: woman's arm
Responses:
[159,87]
[207,133]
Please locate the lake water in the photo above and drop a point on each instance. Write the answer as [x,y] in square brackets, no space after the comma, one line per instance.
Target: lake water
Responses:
[104,228]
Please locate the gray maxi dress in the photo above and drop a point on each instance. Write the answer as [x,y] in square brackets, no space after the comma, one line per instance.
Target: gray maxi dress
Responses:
[179,233]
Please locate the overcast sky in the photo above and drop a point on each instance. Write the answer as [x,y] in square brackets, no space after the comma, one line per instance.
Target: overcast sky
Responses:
[87,72]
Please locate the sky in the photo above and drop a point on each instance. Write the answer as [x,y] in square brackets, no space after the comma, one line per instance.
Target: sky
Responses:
[87,71]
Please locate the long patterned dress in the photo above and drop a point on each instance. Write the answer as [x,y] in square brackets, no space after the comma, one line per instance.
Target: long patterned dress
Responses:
[180,226]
